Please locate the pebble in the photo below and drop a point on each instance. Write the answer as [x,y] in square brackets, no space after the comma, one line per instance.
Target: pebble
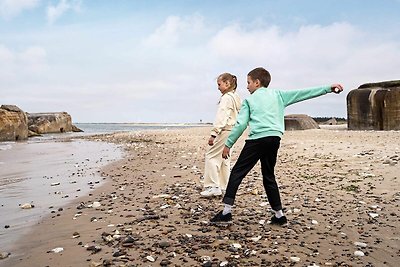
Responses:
[165,262]
[94,249]
[27,206]
[295,259]
[255,239]
[360,244]
[359,253]
[373,215]
[236,245]
[96,204]
[164,244]
[150,258]
[57,250]
[95,264]
[4,255]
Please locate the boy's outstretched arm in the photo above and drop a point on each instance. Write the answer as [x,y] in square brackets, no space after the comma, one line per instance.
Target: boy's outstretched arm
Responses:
[290,97]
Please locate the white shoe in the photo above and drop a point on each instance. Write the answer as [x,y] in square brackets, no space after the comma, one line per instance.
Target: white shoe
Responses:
[211,191]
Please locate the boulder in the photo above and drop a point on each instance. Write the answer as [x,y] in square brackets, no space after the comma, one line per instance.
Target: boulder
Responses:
[52,122]
[300,122]
[374,106]
[76,129]
[13,123]
[332,121]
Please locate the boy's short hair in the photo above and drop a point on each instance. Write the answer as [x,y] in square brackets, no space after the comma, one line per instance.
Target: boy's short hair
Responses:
[262,75]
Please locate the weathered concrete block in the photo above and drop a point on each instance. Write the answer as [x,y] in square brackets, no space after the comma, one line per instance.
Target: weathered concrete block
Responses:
[13,123]
[52,122]
[300,122]
[374,106]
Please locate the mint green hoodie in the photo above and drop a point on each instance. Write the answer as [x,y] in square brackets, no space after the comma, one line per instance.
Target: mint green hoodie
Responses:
[263,111]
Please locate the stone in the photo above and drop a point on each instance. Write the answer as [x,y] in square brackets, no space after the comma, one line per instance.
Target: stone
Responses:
[76,129]
[13,123]
[27,206]
[52,122]
[374,106]
[300,122]
[96,204]
[294,259]
[4,255]
[360,244]
[359,253]
[57,250]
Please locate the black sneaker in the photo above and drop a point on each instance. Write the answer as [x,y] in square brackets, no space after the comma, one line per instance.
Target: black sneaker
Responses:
[279,221]
[221,218]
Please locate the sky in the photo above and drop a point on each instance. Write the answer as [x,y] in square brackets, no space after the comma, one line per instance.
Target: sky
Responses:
[158,60]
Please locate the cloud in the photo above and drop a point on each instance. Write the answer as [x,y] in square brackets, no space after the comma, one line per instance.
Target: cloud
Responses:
[170,75]
[17,66]
[174,30]
[63,6]
[11,8]
[312,54]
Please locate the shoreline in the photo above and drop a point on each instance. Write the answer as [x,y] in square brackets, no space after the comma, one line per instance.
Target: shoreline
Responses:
[330,177]
[46,175]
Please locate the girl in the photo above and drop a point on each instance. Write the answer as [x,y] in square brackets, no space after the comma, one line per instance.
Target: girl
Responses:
[217,169]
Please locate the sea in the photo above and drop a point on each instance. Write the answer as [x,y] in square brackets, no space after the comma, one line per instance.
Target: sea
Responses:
[40,176]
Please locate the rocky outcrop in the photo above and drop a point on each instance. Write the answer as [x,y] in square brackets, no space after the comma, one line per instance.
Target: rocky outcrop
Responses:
[300,122]
[76,129]
[332,121]
[374,106]
[13,123]
[52,122]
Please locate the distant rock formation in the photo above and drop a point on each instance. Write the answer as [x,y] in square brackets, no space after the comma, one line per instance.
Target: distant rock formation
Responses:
[374,106]
[300,122]
[52,122]
[13,123]
[332,121]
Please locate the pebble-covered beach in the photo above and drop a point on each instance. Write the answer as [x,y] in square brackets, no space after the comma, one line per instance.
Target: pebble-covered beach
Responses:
[340,190]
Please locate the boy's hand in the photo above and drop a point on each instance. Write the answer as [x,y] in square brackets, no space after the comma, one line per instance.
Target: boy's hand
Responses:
[336,88]
[225,152]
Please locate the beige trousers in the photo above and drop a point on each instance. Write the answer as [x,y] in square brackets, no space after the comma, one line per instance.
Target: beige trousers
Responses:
[217,169]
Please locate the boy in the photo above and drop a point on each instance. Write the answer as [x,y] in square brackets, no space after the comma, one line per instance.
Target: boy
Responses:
[263,111]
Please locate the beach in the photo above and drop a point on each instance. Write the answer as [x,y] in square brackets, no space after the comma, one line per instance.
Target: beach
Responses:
[43,175]
[340,190]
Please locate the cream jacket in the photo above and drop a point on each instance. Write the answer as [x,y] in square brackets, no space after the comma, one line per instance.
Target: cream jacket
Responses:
[228,109]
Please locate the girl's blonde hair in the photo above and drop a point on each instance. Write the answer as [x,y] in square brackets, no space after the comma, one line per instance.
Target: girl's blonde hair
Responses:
[230,78]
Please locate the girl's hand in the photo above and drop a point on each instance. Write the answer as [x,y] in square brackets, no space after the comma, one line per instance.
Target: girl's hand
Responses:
[336,88]
[225,152]
[211,141]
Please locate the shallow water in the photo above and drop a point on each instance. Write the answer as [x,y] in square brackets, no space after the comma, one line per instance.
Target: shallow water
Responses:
[48,174]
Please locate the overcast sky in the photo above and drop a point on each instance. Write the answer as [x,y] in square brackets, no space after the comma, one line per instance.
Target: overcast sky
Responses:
[157,61]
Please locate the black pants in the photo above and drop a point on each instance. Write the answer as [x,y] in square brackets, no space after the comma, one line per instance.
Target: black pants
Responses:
[263,149]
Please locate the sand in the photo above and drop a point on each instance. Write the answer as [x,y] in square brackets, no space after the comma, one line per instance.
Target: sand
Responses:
[340,190]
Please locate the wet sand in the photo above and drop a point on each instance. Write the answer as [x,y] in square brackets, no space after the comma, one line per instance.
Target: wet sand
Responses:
[340,190]
[46,175]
